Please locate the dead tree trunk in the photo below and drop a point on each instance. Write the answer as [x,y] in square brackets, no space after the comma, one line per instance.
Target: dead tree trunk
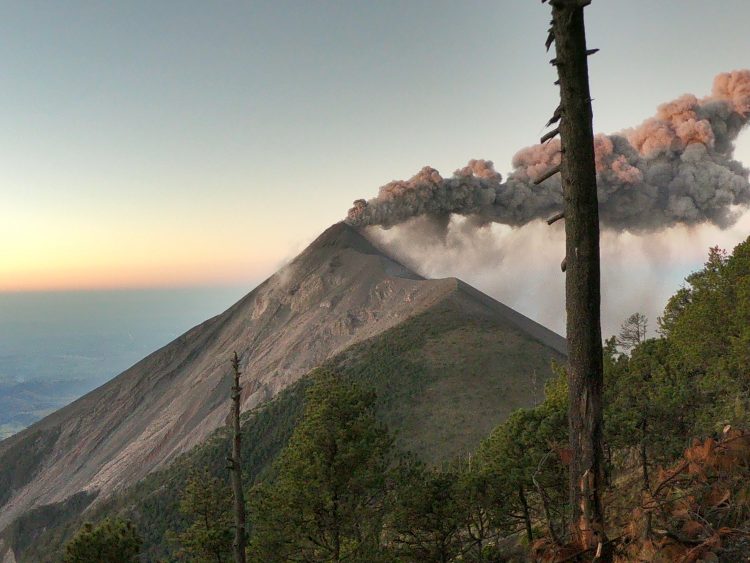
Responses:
[582,284]
[644,455]
[235,467]
[646,485]
[526,514]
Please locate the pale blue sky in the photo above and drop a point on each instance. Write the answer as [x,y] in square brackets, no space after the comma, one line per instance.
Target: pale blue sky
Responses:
[168,143]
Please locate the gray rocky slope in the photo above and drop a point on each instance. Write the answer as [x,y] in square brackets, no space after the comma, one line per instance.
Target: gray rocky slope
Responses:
[339,291]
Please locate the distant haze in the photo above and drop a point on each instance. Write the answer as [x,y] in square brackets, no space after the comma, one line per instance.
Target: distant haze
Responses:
[55,346]
[94,335]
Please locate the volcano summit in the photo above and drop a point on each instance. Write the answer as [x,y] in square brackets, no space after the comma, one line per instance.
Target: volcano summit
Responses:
[338,297]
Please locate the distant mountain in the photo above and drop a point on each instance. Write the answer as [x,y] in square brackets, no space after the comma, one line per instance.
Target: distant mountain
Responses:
[448,362]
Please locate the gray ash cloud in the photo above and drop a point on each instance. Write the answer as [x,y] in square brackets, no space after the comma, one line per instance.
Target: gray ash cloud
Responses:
[675,168]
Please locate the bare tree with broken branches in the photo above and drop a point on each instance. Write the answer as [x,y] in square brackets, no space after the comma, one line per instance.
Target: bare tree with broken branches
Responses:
[581,264]
[235,466]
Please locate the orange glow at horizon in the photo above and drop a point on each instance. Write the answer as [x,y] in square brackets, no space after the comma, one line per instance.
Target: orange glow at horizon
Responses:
[64,274]
[42,263]
[142,247]
[88,277]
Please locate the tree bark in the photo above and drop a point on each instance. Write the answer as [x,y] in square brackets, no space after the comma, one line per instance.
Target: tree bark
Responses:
[336,529]
[240,539]
[608,465]
[526,515]
[582,281]
[644,455]
[646,486]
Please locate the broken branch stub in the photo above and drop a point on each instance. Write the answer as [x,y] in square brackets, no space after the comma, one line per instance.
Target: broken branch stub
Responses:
[547,175]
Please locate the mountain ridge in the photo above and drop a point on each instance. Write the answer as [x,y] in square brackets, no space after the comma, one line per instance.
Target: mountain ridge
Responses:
[339,291]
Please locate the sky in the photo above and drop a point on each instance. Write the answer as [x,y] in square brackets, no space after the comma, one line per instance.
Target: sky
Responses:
[165,144]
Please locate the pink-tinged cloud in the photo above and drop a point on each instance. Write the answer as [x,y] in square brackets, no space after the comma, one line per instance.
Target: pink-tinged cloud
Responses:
[675,168]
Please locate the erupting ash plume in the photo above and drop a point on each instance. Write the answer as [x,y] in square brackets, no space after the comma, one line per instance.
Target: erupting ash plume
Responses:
[675,168]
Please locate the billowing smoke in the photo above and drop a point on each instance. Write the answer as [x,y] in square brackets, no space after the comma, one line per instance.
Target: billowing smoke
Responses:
[675,168]
[520,266]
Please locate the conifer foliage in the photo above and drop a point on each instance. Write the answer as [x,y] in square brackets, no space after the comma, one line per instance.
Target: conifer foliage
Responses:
[206,505]
[112,540]
[326,503]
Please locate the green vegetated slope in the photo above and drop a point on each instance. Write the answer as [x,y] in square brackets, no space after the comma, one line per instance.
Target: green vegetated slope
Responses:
[444,378]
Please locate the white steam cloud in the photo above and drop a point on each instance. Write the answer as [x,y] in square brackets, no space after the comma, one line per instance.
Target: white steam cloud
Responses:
[520,266]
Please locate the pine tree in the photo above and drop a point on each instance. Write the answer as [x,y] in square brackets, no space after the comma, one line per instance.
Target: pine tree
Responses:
[632,331]
[426,521]
[112,540]
[521,461]
[326,503]
[206,503]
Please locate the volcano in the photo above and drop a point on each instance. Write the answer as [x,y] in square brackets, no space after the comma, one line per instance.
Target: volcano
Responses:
[338,294]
